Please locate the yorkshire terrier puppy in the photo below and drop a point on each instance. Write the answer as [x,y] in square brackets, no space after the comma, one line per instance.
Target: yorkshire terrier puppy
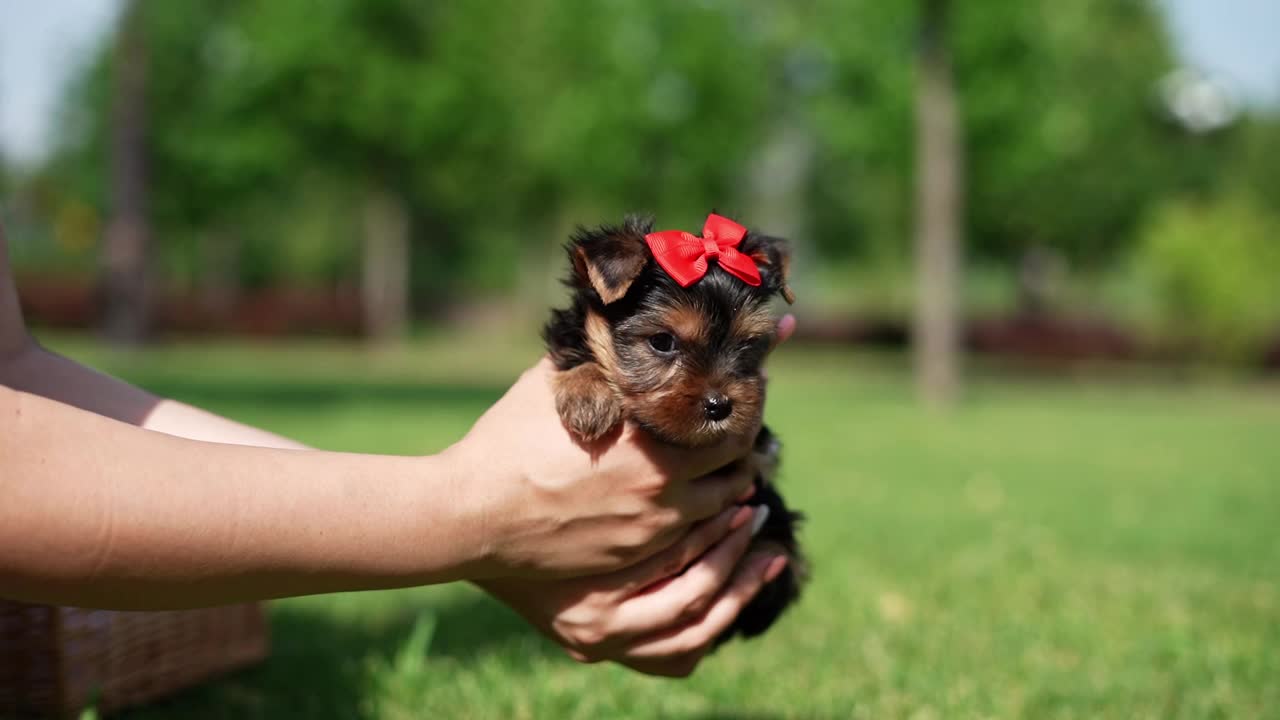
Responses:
[670,330]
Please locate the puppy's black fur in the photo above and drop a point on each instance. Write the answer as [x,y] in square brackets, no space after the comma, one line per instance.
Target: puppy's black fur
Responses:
[635,345]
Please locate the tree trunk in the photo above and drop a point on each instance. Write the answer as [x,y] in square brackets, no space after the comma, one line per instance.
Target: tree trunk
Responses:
[126,282]
[939,200]
[385,273]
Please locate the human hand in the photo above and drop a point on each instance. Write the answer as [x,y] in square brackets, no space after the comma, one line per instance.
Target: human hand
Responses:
[554,506]
[651,617]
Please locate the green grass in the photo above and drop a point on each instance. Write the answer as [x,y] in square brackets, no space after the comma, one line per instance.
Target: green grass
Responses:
[1051,549]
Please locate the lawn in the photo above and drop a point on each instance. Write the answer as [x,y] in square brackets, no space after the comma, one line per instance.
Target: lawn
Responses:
[1054,548]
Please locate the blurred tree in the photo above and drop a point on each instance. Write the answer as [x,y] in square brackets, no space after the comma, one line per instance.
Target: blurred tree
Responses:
[1211,266]
[1062,128]
[213,162]
[635,105]
[1207,261]
[126,281]
[939,211]
[345,78]
[255,100]
[1064,144]
[1253,159]
[435,149]
[861,184]
[398,99]
[206,160]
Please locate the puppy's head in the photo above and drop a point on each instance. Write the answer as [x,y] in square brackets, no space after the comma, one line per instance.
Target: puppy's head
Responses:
[686,361]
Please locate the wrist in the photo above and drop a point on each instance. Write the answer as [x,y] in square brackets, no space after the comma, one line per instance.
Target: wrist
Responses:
[452,515]
[486,506]
[403,521]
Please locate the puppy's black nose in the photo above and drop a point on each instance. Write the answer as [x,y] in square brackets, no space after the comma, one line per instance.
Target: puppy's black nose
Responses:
[716,406]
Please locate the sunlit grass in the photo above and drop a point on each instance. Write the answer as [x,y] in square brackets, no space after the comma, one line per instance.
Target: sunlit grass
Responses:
[1049,549]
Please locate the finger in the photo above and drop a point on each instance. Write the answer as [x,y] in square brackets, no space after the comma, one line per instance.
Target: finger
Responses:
[686,597]
[786,328]
[668,563]
[747,581]
[681,666]
[681,465]
[708,495]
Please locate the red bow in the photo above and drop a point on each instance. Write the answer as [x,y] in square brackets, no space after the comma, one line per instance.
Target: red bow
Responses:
[686,257]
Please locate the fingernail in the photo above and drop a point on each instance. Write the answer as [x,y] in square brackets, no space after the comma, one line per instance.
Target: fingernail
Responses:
[747,494]
[761,515]
[740,518]
[775,567]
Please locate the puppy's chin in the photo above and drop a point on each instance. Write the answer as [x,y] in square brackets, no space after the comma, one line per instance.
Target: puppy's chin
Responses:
[693,438]
[699,433]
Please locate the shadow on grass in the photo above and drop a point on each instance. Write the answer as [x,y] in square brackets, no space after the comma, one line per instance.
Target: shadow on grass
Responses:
[731,715]
[322,668]
[750,715]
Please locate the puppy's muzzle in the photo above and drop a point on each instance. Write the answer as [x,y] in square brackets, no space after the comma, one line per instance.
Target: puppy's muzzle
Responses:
[716,406]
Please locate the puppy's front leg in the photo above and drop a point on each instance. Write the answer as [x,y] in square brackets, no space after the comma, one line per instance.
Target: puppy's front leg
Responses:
[586,402]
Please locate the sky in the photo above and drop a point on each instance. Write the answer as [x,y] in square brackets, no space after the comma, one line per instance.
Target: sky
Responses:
[42,42]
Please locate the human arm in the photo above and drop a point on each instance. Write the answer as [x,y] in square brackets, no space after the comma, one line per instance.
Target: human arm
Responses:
[96,512]
[28,367]
[269,523]
[38,371]
[102,514]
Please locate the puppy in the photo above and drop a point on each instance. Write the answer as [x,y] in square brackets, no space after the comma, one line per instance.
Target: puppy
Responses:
[669,330]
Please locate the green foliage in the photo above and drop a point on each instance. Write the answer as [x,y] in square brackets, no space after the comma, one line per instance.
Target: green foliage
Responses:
[863,117]
[1064,142]
[510,113]
[1253,167]
[488,118]
[500,125]
[1078,550]
[1213,268]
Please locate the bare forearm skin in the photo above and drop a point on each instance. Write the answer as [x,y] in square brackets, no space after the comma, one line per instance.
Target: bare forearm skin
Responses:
[95,512]
[26,366]
[102,514]
[40,372]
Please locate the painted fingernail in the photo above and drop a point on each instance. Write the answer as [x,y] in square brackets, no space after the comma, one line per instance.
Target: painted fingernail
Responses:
[740,518]
[761,515]
[775,568]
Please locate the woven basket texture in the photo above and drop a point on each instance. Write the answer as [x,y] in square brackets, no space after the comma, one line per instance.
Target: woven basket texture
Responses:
[55,661]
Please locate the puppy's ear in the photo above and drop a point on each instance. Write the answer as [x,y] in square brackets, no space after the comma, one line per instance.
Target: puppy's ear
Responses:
[772,256]
[609,258]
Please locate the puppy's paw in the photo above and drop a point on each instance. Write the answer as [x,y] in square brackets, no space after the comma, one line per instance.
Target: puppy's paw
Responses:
[586,402]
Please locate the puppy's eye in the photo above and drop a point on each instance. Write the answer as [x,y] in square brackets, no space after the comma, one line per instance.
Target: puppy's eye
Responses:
[663,343]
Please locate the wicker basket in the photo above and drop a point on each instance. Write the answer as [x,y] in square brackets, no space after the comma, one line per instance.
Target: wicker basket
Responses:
[55,661]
